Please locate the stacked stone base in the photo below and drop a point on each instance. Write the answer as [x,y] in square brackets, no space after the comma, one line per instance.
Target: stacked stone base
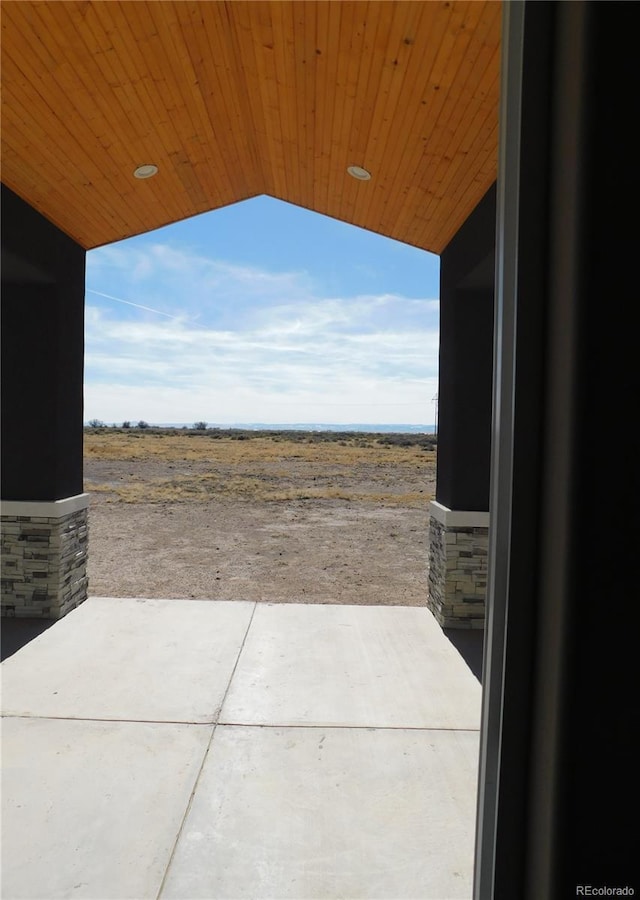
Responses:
[44,557]
[458,552]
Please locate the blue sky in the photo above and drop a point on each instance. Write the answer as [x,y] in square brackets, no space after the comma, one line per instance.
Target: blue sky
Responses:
[261,312]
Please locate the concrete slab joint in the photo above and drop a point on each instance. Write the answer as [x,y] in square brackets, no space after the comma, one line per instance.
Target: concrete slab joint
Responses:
[239,749]
[458,551]
[44,556]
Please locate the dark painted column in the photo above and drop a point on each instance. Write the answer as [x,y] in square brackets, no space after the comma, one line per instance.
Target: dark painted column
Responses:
[42,356]
[459,517]
[43,274]
[466,354]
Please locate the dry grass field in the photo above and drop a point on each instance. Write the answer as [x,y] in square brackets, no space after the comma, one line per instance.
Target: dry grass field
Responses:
[274,516]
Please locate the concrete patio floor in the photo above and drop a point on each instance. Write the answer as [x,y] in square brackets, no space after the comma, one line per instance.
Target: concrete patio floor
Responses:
[195,749]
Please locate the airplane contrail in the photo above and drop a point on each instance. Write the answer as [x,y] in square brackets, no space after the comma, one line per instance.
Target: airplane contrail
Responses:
[139,306]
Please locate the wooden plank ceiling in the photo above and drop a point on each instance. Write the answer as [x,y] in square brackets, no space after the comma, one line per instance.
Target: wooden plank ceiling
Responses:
[235,99]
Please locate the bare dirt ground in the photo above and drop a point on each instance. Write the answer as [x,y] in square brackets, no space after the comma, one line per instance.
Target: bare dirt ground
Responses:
[268,518]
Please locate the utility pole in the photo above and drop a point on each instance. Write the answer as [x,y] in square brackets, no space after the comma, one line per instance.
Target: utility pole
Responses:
[434,400]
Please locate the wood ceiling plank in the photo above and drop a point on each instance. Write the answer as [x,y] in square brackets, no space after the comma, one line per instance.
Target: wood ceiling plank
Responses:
[95,61]
[47,92]
[453,216]
[368,95]
[255,91]
[263,41]
[459,177]
[243,55]
[199,162]
[32,84]
[206,32]
[403,18]
[468,189]
[304,50]
[481,21]
[54,194]
[220,41]
[328,27]
[451,219]
[477,91]
[347,188]
[471,79]
[469,141]
[428,173]
[337,92]
[235,98]
[284,59]
[427,122]
[117,91]
[120,95]
[291,74]
[140,43]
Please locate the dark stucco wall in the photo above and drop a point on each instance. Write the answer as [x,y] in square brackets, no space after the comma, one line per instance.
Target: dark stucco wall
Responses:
[466,361]
[43,274]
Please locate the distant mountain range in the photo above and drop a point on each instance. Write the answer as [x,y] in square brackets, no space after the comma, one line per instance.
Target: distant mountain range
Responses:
[313,426]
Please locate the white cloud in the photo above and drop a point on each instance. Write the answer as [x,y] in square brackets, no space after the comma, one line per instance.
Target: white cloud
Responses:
[171,279]
[238,344]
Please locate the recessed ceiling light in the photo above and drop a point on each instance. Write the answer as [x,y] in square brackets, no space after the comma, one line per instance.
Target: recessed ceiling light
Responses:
[145,171]
[359,173]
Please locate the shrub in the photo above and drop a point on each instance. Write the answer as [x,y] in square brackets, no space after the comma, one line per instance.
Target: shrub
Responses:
[96,423]
[200,426]
[142,424]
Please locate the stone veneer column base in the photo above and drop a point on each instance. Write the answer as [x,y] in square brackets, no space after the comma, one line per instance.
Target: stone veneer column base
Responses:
[44,556]
[458,548]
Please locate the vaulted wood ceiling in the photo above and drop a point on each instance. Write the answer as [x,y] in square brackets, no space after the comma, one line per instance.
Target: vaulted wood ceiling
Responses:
[235,99]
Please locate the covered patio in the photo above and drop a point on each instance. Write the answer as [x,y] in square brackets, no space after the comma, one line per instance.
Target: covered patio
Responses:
[228,100]
[198,749]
